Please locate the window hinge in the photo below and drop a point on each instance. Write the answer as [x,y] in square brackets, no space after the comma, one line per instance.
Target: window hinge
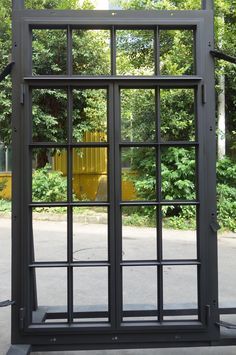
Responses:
[204,99]
[22,317]
[7,303]
[214,223]
[22,94]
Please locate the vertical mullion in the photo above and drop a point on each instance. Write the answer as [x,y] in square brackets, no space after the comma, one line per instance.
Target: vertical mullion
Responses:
[111,209]
[157,50]
[159,208]
[69,51]
[200,196]
[113,51]
[118,221]
[18,5]
[70,208]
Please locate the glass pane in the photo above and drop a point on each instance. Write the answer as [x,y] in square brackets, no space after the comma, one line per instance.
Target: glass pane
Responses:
[177,114]
[180,290]
[90,233]
[178,170]
[177,52]
[138,173]
[139,288]
[51,292]
[179,234]
[91,52]
[112,5]
[49,52]
[49,115]
[138,115]
[90,290]
[90,115]
[50,233]
[135,52]
[9,159]
[226,267]
[49,180]
[90,174]
[139,233]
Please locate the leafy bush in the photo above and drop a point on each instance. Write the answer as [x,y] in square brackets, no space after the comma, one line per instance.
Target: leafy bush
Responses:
[178,183]
[3,184]
[226,193]
[48,185]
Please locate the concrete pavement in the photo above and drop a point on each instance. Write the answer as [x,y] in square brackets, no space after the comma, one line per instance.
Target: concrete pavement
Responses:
[95,246]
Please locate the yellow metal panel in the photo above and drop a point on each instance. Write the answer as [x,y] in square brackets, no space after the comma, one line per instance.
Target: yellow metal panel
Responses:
[7,191]
[90,170]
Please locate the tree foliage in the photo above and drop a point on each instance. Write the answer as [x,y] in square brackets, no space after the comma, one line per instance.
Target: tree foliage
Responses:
[135,56]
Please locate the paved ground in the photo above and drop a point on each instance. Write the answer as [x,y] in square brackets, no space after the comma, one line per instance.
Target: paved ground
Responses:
[90,244]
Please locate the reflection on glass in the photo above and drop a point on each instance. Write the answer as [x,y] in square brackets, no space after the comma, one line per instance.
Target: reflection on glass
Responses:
[49,55]
[90,174]
[139,288]
[90,289]
[181,243]
[176,52]
[138,173]
[180,289]
[90,234]
[135,52]
[138,115]
[90,115]
[49,181]
[139,233]
[51,288]
[177,114]
[49,228]
[49,115]
[178,171]
[91,52]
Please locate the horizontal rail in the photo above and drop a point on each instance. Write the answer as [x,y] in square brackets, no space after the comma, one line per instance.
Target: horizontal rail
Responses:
[77,78]
[160,203]
[69,204]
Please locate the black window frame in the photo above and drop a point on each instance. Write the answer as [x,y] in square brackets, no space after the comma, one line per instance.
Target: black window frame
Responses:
[116,334]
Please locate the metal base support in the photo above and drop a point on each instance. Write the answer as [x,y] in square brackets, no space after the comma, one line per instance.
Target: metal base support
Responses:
[19,350]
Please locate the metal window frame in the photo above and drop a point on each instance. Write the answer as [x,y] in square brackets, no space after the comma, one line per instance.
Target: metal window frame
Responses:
[60,337]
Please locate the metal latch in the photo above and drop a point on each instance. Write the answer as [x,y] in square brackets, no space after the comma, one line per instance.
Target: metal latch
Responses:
[7,303]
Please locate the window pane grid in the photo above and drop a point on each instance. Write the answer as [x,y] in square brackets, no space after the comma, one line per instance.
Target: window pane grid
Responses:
[114,35]
[70,265]
[159,202]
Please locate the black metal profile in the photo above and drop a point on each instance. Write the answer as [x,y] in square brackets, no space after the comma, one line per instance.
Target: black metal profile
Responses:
[221,55]
[118,331]
[207,4]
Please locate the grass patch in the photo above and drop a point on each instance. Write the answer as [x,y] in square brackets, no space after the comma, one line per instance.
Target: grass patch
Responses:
[5,206]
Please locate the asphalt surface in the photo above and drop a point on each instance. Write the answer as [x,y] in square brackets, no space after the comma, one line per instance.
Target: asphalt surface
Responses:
[90,242]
